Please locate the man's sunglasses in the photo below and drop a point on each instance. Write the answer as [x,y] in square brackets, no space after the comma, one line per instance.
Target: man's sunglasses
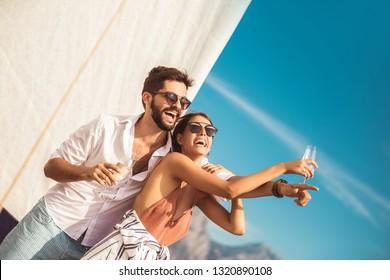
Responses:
[196,127]
[172,98]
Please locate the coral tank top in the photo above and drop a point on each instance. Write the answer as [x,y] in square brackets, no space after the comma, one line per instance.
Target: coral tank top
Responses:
[158,219]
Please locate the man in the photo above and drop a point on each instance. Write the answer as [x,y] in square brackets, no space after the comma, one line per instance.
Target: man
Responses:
[72,216]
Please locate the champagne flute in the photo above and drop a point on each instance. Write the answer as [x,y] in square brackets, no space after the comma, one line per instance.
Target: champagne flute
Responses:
[124,171]
[310,153]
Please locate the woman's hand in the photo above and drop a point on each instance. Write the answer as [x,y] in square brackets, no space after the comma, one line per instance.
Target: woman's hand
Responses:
[301,167]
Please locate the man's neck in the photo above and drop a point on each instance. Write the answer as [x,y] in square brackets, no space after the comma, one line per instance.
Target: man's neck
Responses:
[148,133]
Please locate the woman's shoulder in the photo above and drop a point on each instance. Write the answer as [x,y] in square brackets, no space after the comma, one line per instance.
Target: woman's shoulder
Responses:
[175,160]
[172,156]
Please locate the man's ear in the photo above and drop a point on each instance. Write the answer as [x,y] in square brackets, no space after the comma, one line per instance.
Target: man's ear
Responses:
[147,97]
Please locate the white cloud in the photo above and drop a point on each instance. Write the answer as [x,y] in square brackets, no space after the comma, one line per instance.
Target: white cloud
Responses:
[346,188]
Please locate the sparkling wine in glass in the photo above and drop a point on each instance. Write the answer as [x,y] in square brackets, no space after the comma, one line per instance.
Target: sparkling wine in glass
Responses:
[310,153]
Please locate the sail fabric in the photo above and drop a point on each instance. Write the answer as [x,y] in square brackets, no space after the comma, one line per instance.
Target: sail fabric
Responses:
[64,62]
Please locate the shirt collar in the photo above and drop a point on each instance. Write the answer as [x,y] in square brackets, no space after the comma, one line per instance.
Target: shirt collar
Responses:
[131,119]
[204,161]
[162,151]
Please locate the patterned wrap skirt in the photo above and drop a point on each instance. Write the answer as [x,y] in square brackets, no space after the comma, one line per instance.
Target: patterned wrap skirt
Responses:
[129,241]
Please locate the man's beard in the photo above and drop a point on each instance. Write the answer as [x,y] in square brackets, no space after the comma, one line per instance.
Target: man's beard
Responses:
[157,117]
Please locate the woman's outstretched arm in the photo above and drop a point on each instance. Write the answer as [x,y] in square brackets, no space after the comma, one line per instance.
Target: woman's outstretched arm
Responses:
[183,168]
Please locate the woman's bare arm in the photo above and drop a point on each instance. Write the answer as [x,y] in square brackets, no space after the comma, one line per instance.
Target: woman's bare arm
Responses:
[233,222]
[183,168]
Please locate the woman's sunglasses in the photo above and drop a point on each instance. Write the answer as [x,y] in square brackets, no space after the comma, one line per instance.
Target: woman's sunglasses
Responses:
[196,127]
[172,98]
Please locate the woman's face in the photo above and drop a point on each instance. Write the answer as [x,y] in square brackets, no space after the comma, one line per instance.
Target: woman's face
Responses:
[196,143]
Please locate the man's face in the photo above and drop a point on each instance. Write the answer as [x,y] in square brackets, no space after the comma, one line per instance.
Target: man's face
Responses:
[164,114]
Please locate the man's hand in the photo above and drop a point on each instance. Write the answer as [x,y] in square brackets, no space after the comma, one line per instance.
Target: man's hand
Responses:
[215,168]
[299,191]
[103,173]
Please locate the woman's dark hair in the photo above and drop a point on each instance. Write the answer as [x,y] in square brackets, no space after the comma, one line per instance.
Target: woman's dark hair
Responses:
[181,125]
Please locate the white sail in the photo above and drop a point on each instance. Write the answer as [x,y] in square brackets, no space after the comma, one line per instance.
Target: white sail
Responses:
[64,62]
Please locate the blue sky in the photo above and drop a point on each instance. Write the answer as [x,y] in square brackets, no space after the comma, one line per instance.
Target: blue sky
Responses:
[309,72]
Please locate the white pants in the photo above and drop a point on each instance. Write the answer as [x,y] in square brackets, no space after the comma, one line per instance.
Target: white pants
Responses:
[129,241]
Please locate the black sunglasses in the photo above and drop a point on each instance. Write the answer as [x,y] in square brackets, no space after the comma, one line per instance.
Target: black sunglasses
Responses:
[172,98]
[195,127]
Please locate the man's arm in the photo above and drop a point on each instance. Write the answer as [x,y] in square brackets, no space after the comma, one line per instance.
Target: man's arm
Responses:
[62,171]
[298,191]
[261,191]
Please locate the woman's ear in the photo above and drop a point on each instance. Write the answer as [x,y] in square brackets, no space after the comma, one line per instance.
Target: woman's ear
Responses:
[179,139]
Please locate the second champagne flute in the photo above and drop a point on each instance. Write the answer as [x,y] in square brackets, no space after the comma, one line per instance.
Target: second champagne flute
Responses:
[310,153]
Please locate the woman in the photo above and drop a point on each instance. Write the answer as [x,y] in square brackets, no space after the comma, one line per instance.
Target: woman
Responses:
[161,214]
